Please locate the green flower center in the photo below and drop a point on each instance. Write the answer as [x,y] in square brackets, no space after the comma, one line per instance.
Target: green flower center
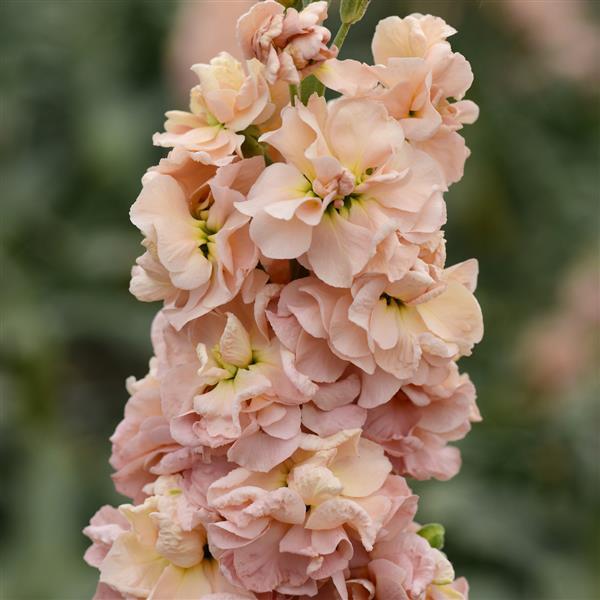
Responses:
[206,242]
[391,301]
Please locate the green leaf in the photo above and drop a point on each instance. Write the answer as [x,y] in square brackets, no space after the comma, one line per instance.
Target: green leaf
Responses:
[309,86]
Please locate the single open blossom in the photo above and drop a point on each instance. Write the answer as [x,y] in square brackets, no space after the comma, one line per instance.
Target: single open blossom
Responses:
[227,384]
[289,43]
[228,99]
[415,426]
[198,248]
[420,80]
[348,181]
[407,328]
[294,526]
[421,73]
[404,568]
[142,446]
[144,551]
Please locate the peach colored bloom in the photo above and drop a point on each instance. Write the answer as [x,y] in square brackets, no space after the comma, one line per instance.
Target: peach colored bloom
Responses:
[422,73]
[289,43]
[200,31]
[104,528]
[142,446]
[415,426]
[405,328]
[227,101]
[228,384]
[420,81]
[198,245]
[294,526]
[405,568]
[349,181]
[148,553]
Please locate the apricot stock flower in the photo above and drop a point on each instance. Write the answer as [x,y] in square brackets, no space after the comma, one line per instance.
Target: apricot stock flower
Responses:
[305,352]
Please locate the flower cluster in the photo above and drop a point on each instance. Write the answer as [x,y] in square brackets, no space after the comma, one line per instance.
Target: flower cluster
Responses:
[305,355]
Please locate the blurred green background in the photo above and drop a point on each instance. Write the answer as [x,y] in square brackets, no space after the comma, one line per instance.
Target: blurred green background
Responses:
[85,84]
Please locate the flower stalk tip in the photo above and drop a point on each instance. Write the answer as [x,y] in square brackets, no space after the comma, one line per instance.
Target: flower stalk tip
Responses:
[352,11]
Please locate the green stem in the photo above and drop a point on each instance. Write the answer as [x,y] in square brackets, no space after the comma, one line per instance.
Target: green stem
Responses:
[293,93]
[252,147]
[340,36]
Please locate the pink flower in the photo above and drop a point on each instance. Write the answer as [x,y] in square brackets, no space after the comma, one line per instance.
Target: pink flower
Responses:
[289,43]
[228,384]
[415,426]
[408,568]
[295,526]
[198,245]
[405,328]
[104,528]
[142,445]
[349,181]
[422,317]
[417,59]
[226,102]
[420,81]
[146,552]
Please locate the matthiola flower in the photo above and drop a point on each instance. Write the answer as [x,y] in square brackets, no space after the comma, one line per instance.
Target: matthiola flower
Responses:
[289,43]
[421,82]
[228,99]
[199,250]
[448,77]
[142,446]
[144,551]
[405,328]
[228,385]
[416,424]
[290,528]
[349,180]
[409,321]
[405,568]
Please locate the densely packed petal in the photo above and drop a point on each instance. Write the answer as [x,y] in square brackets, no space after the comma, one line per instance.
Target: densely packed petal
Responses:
[288,42]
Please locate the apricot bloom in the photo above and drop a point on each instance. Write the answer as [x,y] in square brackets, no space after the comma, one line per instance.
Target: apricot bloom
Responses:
[142,446]
[289,43]
[405,328]
[415,426]
[421,82]
[227,384]
[294,526]
[145,551]
[226,102]
[405,568]
[348,181]
[199,250]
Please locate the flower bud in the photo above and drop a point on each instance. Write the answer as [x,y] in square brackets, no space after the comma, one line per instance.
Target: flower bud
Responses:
[434,534]
[352,11]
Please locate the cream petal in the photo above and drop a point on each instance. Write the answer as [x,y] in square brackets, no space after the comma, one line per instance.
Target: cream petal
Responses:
[234,344]
[280,239]
[361,134]
[262,452]
[350,469]
[132,567]
[339,250]
[455,316]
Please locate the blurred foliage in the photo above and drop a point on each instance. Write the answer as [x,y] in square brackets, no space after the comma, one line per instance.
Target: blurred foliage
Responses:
[84,89]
